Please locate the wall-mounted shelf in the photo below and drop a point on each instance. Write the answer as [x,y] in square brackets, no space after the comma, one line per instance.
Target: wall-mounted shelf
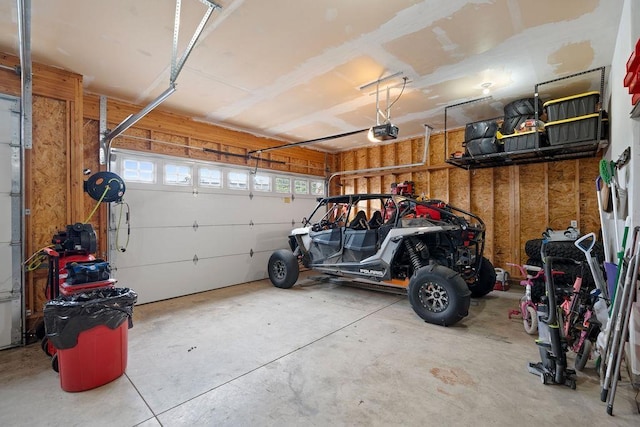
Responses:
[535,155]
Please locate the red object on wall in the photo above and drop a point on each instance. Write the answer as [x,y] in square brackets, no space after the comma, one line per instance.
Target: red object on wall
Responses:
[99,357]
[634,59]
[632,78]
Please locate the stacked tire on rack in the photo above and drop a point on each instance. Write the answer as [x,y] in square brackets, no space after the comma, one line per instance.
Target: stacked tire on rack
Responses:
[480,138]
[517,112]
[566,252]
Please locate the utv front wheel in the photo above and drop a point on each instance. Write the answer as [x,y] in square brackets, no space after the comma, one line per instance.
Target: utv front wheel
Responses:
[283,269]
[439,295]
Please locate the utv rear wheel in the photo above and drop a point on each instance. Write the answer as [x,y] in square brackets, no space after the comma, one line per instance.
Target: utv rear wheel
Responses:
[283,269]
[439,295]
[485,281]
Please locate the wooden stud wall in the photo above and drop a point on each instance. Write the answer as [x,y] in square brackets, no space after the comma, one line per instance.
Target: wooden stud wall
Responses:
[160,126]
[517,203]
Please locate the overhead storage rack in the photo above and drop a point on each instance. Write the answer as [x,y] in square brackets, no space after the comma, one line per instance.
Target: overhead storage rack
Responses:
[597,139]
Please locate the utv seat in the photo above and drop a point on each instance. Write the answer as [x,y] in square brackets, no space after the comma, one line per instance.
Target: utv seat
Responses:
[359,222]
[376,220]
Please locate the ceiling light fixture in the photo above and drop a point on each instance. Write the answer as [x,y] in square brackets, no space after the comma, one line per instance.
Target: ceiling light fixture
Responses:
[485,88]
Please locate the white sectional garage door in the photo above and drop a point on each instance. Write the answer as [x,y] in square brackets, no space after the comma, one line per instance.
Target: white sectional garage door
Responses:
[196,226]
[10,224]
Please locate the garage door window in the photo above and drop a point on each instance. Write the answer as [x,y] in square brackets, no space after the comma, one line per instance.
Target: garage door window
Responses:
[262,183]
[317,188]
[238,180]
[301,186]
[210,178]
[177,174]
[139,171]
[283,185]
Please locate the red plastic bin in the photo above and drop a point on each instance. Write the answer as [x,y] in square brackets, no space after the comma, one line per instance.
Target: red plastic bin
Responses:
[99,357]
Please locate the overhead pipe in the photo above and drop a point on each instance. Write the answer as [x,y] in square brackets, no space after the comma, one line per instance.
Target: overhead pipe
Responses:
[425,155]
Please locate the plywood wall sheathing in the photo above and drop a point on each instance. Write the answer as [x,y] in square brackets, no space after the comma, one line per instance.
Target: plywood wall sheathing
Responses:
[563,194]
[389,155]
[404,151]
[482,204]
[589,219]
[502,217]
[47,193]
[459,185]
[439,184]
[177,127]
[436,149]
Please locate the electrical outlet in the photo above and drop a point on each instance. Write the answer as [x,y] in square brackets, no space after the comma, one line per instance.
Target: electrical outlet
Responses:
[574,223]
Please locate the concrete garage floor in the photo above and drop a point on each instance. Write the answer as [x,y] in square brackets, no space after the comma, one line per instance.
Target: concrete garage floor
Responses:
[317,354]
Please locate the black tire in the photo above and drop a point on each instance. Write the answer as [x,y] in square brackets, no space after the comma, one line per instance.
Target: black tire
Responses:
[485,281]
[54,363]
[479,146]
[570,271]
[483,129]
[283,269]
[44,345]
[532,248]
[523,107]
[582,357]
[510,124]
[563,249]
[439,295]
[39,330]
[517,112]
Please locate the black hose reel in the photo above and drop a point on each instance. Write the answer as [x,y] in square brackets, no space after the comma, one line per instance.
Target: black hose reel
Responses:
[105,187]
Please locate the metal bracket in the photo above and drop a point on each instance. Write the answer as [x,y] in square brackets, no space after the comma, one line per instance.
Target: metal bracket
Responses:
[103,130]
[176,67]
[24,35]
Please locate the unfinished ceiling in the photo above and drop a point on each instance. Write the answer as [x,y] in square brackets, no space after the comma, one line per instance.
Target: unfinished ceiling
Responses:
[293,70]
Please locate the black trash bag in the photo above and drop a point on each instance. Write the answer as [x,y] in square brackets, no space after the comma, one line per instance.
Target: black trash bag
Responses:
[66,316]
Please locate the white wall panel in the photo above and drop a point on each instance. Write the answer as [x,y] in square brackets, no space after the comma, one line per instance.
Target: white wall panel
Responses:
[5,224]
[237,230]
[11,302]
